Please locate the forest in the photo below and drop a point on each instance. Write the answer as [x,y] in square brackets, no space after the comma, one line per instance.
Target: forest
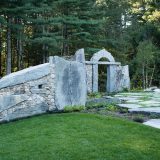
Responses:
[33,30]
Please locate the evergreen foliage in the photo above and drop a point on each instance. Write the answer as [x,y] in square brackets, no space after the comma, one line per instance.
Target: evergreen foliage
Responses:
[32,30]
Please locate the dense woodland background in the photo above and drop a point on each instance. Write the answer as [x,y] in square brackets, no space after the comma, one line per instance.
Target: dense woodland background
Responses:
[32,30]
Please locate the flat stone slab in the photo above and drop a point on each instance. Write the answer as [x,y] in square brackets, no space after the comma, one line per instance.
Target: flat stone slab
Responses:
[151,103]
[127,98]
[134,101]
[153,123]
[8,101]
[146,110]
[129,106]
[132,94]
[25,75]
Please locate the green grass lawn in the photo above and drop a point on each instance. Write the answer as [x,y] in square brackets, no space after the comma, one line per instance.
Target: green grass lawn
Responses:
[77,136]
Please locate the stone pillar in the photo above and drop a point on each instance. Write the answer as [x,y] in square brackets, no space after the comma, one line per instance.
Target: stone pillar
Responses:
[79,56]
[89,73]
[125,78]
[117,78]
[70,82]
[112,78]
[95,78]
[51,59]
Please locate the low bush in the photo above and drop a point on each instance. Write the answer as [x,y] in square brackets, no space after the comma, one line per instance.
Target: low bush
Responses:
[139,118]
[108,106]
[123,110]
[95,105]
[95,95]
[73,108]
[111,107]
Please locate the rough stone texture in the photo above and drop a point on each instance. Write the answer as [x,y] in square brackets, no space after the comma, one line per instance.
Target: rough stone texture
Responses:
[95,58]
[146,110]
[46,87]
[157,90]
[79,56]
[113,78]
[150,103]
[125,81]
[25,75]
[95,78]
[42,88]
[102,54]
[153,123]
[129,106]
[103,100]
[25,109]
[8,101]
[71,86]
[151,89]
[117,76]
[89,78]
[29,96]
[27,99]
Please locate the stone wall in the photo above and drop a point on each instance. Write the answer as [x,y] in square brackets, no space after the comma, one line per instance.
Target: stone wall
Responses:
[54,85]
[33,96]
[39,89]
[117,78]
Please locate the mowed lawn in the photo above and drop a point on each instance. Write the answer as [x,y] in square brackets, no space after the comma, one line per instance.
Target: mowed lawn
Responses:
[78,136]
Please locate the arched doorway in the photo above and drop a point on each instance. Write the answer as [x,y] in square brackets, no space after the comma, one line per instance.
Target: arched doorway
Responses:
[102,75]
[97,57]
[117,76]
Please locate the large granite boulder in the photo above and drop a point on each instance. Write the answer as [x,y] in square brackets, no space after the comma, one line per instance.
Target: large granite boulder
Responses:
[71,86]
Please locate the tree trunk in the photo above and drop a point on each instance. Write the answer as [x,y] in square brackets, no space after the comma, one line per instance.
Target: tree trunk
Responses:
[9,54]
[20,47]
[44,46]
[20,53]
[44,53]
[65,38]
[143,74]
[150,83]
[0,55]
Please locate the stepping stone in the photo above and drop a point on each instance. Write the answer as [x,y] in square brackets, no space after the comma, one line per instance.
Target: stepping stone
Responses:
[132,96]
[152,105]
[134,101]
[153,123]
[146,110]
[150,102]
[129,106]
[127,98]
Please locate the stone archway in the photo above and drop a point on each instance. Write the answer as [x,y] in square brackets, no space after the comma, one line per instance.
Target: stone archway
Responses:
[95,58]
[117,76]
[102,54]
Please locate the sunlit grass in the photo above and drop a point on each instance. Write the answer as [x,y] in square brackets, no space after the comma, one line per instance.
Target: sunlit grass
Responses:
[77,136]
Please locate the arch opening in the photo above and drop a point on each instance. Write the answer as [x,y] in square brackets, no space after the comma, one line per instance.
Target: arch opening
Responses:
[102,75]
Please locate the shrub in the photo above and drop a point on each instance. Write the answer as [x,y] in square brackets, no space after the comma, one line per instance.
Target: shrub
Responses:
[139,119]
[111,107]
[73,108]
[94,105]
[123,110]
[108,106]
[95,95]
